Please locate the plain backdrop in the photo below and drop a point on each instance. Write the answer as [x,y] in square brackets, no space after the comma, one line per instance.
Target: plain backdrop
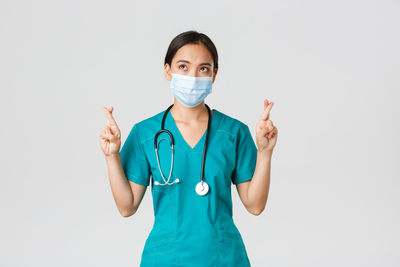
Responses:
[331,67]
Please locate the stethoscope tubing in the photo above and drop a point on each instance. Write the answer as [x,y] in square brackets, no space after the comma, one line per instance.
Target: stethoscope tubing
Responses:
[172,143]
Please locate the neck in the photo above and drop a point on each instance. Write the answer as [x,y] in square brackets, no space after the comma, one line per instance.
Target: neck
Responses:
[187,114]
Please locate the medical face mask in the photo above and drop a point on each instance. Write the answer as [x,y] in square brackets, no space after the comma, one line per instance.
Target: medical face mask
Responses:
[190,90]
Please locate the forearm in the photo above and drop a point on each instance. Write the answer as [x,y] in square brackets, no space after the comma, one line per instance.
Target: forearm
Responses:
[120,187]
[258,189]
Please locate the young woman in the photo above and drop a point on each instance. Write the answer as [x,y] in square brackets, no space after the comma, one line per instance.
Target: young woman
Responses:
[203,153]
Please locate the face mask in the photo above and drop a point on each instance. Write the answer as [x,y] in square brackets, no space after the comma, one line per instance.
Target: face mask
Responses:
[190,90]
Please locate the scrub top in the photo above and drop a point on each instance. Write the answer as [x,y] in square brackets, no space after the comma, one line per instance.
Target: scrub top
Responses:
[189,229]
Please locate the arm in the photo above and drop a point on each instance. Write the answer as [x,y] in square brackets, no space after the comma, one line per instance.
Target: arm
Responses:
[127,194]
[254,193]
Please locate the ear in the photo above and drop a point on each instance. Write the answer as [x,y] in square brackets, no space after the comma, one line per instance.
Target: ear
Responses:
[167,72]
[215,74]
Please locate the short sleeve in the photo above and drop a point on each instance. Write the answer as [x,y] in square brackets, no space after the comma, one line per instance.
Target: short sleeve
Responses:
[246,156]
[133,159]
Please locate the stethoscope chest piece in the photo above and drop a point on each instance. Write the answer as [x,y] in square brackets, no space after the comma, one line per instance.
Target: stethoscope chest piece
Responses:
[202,188]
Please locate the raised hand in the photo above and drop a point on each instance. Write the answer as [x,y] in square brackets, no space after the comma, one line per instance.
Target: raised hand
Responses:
[110,137]
[266,132]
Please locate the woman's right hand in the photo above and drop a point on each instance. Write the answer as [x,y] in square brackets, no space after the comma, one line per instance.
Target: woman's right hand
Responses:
[110,137]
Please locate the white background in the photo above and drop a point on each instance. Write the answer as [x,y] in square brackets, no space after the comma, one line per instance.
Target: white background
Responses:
[331,67]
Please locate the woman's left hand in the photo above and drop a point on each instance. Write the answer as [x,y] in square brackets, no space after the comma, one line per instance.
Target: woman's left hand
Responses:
[266,132]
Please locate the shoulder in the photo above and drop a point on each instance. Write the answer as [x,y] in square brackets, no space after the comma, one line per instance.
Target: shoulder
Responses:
[236,130]
[230,123]
[149,122]
[145,128]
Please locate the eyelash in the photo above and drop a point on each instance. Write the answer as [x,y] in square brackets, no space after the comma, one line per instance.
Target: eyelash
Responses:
[185,66]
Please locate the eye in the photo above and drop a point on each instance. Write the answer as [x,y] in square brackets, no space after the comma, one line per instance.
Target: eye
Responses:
[181,66]
[205,68]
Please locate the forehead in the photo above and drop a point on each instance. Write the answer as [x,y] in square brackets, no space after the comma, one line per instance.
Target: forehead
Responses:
[195,53]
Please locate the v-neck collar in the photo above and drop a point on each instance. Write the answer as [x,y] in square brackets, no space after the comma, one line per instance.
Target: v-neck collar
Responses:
[181,142]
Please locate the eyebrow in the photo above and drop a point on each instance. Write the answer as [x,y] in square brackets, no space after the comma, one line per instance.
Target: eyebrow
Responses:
[205,63]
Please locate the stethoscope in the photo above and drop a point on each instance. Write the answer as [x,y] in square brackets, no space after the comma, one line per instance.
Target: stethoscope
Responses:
[202,187]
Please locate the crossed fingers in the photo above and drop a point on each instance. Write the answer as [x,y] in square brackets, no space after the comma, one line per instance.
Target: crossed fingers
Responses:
[269,128]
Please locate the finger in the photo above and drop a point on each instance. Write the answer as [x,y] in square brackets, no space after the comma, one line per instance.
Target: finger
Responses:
[269,125]
[109,134]
[265,126]
[273,133]
[262,131]
[109,129]
[101,135]
[104,135]
[266,103]
[110,118]
[115,131]
[270,134]
[265,115]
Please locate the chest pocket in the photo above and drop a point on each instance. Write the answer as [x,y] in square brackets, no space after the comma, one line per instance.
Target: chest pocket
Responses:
[162,186]
[223,155]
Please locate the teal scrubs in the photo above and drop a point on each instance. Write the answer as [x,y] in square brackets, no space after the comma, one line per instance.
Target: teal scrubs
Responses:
[192,230]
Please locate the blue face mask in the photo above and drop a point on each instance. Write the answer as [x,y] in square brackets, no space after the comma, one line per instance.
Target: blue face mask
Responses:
[190,90]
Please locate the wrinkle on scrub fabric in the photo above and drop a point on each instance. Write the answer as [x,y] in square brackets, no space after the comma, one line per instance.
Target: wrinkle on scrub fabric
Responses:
[192,230]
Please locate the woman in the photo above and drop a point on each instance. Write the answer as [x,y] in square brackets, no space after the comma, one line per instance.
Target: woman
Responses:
[193,223]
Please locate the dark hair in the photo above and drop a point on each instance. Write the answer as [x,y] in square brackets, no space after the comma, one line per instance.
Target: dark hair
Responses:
[190,37]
